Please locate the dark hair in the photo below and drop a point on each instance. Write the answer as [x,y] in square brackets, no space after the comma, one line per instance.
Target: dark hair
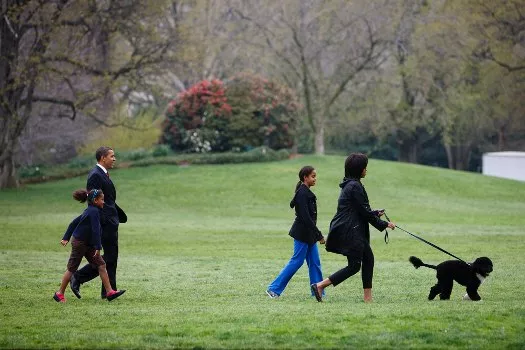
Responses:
[102,152]
[355,163]
[84,195]
[304,172]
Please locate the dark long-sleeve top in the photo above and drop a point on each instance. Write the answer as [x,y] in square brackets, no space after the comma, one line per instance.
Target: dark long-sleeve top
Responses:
[304,227]
[86,227]
[111,213]
[349,227]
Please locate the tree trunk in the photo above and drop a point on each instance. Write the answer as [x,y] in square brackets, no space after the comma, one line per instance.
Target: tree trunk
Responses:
[458,156]
[8,177]
[408,151]
[8,93]
[501,139]
[319,140]
[104,64]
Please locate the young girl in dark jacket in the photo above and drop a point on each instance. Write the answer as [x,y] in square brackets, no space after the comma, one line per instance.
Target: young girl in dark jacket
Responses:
[349,231]
[85,230]
[305,234]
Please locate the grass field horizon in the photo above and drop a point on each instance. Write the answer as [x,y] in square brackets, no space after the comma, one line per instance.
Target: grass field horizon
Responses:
[203,242]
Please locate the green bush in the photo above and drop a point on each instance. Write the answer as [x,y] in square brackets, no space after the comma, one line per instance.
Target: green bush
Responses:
[136,154]
[30,171]
[161,151]
[82,162]
[259,154]
[248,111]
[142,157]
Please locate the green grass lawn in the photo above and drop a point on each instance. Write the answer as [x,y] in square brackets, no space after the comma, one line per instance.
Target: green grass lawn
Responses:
[203,242]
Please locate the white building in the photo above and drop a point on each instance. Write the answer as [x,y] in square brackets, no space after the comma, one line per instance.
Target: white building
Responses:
[510,165]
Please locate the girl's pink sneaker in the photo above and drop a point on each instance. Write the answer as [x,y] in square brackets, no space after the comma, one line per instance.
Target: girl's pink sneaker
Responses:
[59,298]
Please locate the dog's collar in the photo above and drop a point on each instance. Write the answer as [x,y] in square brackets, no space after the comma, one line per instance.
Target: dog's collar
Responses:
[480,278]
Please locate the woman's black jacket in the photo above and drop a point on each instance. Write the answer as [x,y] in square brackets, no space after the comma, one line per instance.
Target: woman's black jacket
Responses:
[304,228]
[349,230]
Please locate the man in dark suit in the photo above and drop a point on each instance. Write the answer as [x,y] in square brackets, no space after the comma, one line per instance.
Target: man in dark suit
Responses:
[111,216]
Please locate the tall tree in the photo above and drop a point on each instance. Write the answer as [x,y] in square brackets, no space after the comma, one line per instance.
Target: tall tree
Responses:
[483,76]
[410,118]
[499,28]
[319,48]
[55,52]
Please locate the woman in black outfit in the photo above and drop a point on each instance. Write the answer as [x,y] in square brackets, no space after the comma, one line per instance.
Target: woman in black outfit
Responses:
[349,231]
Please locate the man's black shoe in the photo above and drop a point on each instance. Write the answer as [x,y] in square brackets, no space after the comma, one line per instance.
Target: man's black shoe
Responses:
[74,284]
[115,294]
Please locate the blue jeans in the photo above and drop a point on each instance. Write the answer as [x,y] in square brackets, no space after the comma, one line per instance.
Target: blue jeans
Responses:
[301,252]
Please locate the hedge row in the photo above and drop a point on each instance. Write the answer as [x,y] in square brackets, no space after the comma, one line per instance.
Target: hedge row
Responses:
[81,166]
[260,154]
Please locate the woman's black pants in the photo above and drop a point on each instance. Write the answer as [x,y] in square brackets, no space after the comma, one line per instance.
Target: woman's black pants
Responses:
[363,257]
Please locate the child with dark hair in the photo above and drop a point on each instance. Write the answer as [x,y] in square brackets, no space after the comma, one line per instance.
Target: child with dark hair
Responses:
[85,230]
[305,234]
[349,231]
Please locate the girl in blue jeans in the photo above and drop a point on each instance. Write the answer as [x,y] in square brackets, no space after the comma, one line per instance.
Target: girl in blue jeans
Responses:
[305,234]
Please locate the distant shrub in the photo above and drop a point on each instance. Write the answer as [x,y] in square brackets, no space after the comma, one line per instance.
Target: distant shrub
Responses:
[82,162]
[196,119]
[259,154]
[264,112]
[136,154]
[161,151]
[247,111]
[142,157]
[30,171]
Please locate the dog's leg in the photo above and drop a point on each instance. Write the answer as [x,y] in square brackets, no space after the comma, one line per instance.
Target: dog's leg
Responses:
[435,290]
[473,293]
[446,289]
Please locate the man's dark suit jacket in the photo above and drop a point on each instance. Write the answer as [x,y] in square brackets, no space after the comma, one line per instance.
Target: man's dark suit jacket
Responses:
[111,212]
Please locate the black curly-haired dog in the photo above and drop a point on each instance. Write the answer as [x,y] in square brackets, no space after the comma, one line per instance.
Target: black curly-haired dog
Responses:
[470,276]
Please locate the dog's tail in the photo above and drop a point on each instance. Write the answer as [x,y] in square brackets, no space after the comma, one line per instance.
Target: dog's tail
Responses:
[418,263]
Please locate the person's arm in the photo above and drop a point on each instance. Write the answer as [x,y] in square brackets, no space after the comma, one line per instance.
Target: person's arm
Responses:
[70,229]
[362,207]
[301,204]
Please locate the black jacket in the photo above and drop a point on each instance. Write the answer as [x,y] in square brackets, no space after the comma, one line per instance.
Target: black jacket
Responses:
[349,230]
[304,228]
[111,213]
[86,227]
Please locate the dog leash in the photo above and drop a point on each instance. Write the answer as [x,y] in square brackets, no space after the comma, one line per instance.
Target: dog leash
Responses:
[423,240]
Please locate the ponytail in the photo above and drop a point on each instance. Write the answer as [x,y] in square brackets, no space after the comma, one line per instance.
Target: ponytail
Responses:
[84,195]
[298,185]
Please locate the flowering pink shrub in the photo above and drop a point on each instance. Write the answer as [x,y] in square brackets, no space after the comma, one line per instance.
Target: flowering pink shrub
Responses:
[248,111]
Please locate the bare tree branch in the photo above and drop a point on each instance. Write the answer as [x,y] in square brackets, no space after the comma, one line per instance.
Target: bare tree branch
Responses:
[56,101]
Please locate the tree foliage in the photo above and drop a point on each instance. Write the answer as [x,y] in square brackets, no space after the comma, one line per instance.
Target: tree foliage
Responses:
[320,49]
[62,55]
[404,75]
[451,83]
